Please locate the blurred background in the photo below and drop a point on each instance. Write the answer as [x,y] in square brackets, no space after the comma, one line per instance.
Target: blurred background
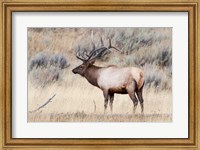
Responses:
[51,57]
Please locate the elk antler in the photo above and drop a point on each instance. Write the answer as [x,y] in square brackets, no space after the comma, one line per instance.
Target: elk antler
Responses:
[95,53]
[98,52]
[77,56]
[110,46]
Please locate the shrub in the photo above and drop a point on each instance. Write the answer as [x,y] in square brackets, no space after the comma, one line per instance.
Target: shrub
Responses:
[40,60]
[164,57]
[157,78]
[58,61]
[43,76]
[45,69]
[44,60]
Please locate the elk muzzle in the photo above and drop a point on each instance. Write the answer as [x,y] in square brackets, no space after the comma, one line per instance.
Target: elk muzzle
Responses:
[74,71]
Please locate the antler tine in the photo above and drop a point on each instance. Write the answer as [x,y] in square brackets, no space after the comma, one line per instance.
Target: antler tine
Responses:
[109,42]
[110,46]
[116,48]
[93,45]
[92,53]
[97,53]
[101,40]
[82,59]
[92,36]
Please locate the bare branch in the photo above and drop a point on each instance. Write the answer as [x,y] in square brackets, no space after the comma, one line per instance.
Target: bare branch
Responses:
[94,106]
[49,100]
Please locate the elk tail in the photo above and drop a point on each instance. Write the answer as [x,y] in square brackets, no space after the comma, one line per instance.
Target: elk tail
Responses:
[141,81]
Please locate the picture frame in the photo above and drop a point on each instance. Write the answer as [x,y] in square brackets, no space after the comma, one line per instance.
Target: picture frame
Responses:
[8,7]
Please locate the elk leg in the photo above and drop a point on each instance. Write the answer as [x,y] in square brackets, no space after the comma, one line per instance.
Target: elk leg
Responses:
[131,91]
[111,101]
[105,101]
[140,97]
[135,102]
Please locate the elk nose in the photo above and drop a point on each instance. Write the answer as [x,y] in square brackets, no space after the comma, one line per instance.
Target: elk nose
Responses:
[74,71]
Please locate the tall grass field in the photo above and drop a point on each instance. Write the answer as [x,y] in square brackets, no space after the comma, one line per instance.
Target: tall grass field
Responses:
[55,94]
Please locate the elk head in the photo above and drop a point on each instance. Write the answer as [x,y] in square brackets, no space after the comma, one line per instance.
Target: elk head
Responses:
[91,57]
[81,69]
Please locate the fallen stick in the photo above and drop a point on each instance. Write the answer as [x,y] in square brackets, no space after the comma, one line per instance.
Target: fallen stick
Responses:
[94,106]
[49,100]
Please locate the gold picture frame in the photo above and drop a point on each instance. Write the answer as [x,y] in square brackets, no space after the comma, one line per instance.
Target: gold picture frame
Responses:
[9,6]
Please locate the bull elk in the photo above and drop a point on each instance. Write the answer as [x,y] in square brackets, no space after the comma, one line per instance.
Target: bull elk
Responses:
[112,79]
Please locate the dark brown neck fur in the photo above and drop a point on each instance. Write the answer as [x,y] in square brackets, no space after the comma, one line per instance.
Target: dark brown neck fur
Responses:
[91,74]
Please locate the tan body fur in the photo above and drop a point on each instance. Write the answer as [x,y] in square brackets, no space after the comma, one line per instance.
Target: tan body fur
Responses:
[114,77]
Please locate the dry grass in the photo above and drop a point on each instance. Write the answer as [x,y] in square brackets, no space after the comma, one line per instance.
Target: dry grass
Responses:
[82,117]
[78,101]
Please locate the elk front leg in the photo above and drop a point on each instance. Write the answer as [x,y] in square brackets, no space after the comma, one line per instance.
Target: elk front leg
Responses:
[105,94]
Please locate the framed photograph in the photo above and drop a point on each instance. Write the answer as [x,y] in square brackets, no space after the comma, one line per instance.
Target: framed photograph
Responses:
[107,75]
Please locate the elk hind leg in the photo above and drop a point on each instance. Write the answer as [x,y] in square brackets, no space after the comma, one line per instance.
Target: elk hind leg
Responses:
[106,97]
[131,91]
[140,97]
[111,96]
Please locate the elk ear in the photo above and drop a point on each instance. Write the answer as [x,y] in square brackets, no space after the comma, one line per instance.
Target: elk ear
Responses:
[92,62]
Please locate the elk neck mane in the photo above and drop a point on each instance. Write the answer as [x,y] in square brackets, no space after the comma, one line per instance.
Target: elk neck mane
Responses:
[92,74]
